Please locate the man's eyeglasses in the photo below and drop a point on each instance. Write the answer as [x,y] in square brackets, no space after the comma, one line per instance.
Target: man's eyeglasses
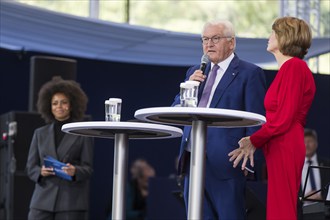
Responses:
[214,39]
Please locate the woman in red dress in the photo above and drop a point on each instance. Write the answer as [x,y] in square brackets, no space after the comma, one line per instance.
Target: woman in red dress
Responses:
[287,102]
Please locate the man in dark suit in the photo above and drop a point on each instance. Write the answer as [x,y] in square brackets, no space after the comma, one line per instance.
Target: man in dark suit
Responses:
[236,85]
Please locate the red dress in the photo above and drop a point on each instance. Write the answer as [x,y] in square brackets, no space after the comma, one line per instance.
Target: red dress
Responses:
[287,102]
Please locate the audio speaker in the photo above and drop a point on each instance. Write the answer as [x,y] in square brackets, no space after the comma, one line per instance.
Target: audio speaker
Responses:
[43,69]
[16,188]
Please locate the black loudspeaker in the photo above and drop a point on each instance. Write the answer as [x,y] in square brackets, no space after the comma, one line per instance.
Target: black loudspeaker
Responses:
[15,187]
[43,68]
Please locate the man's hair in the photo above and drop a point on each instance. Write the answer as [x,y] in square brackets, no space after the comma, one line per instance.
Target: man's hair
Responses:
[294,36]
[228,28]
[310,133]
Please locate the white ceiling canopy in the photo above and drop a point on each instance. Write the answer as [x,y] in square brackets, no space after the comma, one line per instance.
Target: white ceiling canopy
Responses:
[28,28]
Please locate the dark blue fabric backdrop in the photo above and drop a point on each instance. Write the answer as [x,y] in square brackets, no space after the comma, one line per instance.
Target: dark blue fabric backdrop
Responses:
[139,86]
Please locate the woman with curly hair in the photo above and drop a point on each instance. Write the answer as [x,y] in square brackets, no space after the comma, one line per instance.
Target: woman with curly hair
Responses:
[59,102]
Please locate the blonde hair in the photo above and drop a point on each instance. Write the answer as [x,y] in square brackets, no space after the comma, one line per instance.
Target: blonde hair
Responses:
[294,36]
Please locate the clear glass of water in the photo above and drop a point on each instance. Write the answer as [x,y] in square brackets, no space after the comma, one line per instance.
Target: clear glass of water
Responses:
[106,108]
[114,109]
[189,93]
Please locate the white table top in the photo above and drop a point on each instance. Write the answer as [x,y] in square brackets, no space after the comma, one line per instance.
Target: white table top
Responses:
[135,130]
[213,116]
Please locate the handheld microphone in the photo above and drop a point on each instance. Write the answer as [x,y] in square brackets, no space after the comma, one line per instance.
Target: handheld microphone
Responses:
[204,61]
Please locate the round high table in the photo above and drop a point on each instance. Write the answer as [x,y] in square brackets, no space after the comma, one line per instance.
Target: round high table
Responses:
[200,119]
[121,132]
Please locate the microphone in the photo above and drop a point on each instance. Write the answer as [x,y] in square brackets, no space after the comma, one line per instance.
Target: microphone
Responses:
[204,61]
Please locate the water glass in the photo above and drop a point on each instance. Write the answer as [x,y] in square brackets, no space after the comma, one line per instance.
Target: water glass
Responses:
[189,94]
[113,109]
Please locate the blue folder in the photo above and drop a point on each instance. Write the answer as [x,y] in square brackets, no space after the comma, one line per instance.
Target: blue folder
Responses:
[57,166]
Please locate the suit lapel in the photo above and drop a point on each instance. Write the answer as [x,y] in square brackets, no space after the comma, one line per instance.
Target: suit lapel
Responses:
[227,78]
[50,141]
[65,146]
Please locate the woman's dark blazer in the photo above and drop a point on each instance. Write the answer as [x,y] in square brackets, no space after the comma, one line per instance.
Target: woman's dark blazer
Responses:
[53,193]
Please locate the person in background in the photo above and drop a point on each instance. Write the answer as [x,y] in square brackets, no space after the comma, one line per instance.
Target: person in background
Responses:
[60,102]
[137,191]
[287,103]
[320,177]
[230,83]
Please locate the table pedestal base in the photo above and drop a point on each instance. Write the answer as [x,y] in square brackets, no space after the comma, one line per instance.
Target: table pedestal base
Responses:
[119,176]
[197,169]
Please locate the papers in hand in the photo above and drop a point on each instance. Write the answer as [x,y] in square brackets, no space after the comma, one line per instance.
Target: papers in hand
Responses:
[57,166]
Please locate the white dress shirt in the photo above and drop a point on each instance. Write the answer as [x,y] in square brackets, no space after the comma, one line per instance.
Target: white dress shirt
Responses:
[223,67]
[316,172]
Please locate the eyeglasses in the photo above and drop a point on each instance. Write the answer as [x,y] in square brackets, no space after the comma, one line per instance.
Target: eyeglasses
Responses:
[214,39]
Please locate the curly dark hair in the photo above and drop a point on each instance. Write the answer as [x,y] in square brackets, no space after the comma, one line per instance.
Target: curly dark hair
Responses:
[71,89]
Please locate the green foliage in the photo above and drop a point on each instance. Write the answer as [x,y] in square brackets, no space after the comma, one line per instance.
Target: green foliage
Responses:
[325,18]
[252,18]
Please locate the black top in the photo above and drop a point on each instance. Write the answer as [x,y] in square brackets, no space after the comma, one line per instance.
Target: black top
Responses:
[58,133]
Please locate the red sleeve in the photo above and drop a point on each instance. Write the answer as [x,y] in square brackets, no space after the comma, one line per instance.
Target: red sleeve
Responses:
[289,95]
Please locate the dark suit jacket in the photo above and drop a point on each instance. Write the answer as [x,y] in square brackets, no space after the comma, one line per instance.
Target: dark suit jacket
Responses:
[242,87]
[53,193]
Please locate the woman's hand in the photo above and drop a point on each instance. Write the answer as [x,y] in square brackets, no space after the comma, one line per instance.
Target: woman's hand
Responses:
[69,169]
[245,152]
[47,171]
